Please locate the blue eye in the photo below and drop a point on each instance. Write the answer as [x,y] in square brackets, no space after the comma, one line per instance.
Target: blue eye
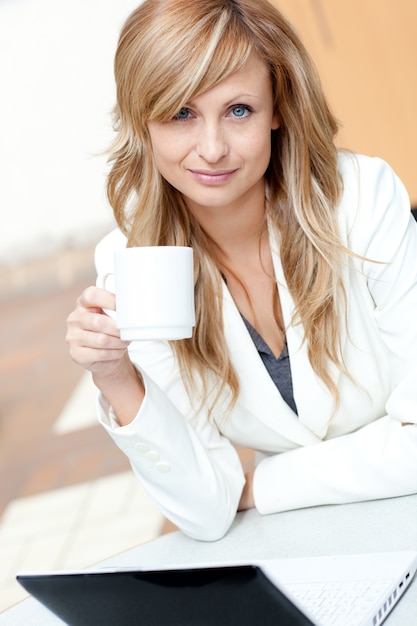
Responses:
[183,114]
[240,110]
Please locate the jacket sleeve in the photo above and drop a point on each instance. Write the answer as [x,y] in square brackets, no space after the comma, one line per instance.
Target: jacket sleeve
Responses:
[380,459]
[193,474]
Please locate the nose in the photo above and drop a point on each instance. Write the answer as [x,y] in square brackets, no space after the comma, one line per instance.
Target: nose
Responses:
[212,143]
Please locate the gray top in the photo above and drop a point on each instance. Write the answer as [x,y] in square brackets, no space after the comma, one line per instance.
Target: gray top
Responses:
[278,368]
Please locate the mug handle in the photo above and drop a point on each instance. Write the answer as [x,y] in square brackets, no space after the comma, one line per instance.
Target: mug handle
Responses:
[101,282]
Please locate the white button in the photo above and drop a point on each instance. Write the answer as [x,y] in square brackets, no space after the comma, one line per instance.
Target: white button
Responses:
[152,455]
[142,447]
[163,467]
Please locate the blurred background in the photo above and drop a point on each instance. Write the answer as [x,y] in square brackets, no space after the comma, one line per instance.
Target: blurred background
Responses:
[67,496]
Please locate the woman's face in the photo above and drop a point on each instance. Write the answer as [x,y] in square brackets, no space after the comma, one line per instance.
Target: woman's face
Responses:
[217,148]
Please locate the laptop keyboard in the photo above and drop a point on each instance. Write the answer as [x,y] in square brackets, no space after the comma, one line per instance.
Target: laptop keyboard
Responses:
[341,604]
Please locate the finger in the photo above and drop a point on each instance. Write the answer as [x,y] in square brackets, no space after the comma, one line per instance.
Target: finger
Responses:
[96,298]
[94,332]
[93,320]
[88,348]
[101,324]
[87,356]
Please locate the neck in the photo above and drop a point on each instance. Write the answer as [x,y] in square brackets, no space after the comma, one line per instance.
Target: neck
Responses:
[237,228]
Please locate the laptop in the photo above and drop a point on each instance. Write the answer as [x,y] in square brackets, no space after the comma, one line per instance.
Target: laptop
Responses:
[341,590]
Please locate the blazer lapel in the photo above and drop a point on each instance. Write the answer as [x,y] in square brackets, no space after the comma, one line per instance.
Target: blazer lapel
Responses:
[315,404]
[258,392]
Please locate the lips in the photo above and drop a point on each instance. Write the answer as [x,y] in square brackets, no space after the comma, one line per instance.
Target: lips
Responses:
[212,177]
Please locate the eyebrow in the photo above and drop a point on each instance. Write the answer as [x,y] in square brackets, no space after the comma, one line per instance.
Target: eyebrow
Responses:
[236,98]
[246,95]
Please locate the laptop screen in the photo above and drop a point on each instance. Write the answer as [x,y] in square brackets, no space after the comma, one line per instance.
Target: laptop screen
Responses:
[214,596]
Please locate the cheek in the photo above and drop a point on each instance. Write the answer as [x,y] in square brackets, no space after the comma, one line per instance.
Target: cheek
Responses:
[162,144]
[168,156]
[169,151]
[258,150]
[163,158]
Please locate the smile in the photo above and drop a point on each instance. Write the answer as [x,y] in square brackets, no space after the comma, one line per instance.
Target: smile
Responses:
[212,177]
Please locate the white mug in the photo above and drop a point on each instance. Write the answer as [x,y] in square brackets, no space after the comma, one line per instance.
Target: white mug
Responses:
[154,287]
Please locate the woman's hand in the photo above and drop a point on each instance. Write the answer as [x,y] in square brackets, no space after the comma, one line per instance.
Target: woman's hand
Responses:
[93,338]
[246,499]
[95,344]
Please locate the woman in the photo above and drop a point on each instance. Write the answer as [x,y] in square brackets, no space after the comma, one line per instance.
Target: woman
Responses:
[305,346]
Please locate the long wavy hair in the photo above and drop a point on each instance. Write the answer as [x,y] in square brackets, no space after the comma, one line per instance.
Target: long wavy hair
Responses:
[171,51]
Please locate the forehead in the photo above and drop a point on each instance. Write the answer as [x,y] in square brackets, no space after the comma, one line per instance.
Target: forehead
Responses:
[253,70]
[253,78]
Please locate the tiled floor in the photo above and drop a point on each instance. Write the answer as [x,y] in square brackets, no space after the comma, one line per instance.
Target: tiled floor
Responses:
[67,496]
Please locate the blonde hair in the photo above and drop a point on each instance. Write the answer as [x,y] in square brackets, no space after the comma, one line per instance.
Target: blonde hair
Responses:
[169,52]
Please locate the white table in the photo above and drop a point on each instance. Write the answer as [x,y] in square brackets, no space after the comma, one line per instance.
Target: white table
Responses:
[379,526]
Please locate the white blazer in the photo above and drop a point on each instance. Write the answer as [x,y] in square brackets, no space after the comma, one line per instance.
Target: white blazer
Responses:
[368,450]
